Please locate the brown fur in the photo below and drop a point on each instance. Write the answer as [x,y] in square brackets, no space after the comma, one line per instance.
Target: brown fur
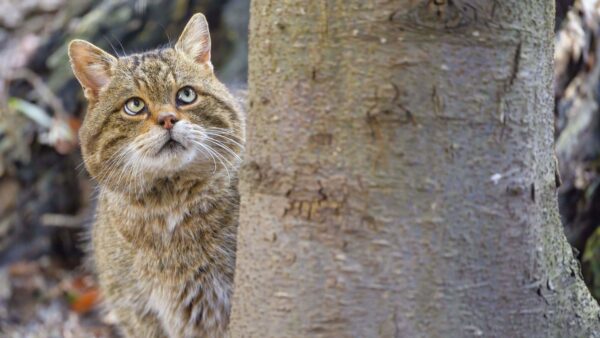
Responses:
[164,236]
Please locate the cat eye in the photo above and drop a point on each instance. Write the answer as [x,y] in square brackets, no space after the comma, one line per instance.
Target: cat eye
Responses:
[186,95]
[134,106]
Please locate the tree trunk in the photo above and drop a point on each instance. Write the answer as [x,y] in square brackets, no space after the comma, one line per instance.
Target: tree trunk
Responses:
[399,180]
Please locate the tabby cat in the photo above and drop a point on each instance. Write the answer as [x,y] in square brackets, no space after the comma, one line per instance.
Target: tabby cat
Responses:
[163,139]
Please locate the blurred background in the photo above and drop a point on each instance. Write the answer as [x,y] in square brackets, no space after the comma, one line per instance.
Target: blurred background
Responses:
[46,197]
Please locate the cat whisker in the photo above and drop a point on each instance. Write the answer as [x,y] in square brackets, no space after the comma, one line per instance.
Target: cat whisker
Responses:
[213,159]
[80,168]
[225,130]
[220,138]
[139,164]
[111,46]
[214,150]
[170,43]
[120,44]
[222,131]
[224,147]
[212,156]
[227,138]
[112,166]
[221,159]
[218,156]
[121,159]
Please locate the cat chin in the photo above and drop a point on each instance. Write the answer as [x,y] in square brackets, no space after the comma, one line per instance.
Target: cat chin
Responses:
[171,159]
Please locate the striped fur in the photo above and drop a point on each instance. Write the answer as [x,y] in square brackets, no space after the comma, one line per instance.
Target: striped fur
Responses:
[165,233]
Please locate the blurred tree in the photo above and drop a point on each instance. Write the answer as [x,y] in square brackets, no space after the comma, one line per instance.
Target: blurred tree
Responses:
[399,177]
[577,117]
[562,7]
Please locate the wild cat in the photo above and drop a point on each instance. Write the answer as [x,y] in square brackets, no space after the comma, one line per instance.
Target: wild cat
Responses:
[163,139]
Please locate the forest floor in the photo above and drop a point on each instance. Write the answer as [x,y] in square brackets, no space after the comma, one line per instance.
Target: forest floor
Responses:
[46,298]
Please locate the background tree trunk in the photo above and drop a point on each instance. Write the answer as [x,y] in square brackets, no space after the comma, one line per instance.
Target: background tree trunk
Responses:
[399,177]
[577,133]
[562,8]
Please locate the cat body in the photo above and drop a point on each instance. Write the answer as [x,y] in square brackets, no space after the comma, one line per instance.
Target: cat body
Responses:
[163,138]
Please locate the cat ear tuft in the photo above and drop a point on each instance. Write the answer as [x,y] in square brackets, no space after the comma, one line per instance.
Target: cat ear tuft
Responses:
[195,39]
[91,65]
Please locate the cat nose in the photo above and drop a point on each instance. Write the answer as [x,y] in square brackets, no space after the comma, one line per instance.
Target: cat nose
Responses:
[167,120]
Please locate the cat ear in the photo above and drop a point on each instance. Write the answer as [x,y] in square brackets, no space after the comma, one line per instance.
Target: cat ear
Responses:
[195,39]
[91,65]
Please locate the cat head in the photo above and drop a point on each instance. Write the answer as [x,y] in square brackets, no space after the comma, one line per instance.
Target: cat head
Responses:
[158,114]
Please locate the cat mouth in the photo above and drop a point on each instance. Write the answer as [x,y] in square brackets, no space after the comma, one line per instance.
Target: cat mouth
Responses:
[170,146]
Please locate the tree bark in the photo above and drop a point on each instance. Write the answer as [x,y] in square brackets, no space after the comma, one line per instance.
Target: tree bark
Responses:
[399,179]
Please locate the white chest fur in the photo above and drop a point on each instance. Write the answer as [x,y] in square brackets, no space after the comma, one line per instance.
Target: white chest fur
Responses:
[173,220]
[202,312]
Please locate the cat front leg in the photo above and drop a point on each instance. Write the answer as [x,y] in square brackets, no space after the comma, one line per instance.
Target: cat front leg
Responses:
[134,324]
